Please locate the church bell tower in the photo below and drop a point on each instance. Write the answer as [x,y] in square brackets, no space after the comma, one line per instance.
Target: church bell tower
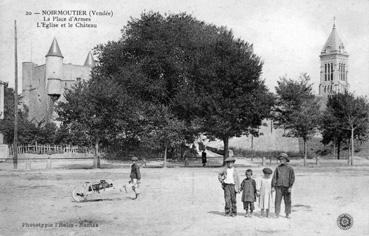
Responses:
[333,66]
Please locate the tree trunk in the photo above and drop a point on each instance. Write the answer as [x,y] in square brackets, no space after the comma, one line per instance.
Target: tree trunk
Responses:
[349,152]
[226,142]
[252,148]
[334,147]
[97,157]
[338,149]
[181,148]
[352,147]
[165,156]
[305,151]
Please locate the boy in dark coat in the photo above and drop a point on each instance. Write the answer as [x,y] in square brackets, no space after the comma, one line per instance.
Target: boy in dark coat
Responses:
[283,179]
[248,188]
[135,177]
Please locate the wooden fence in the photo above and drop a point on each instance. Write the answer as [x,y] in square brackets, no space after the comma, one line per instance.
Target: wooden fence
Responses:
[50,149]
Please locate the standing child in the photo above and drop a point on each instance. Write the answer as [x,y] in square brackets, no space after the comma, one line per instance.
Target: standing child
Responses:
[228,177]
[265,191]
[282,182]
[135,178]
[248,188]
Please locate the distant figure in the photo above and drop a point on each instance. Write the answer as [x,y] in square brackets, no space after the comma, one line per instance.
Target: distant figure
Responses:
[248,188]
[228,177]
[204,160]
[283,179]
[265,192]
[135,178]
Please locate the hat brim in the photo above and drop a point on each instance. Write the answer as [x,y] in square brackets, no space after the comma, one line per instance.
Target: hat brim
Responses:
[282,157]
[267,171]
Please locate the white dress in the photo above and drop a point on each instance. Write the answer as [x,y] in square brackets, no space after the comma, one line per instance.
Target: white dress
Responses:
[266,195]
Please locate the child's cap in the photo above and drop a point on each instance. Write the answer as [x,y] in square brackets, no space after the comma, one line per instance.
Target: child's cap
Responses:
[267,171]
[134,159]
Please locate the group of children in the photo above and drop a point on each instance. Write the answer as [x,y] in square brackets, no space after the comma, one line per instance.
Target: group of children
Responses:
[263,190]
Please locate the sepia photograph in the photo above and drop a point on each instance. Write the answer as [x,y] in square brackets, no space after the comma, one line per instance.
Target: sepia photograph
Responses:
[197,117]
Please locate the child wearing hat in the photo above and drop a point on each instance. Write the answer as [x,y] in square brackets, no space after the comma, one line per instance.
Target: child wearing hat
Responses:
[265,192]
[282,182]
[135,178]
[248,188]
[228,177]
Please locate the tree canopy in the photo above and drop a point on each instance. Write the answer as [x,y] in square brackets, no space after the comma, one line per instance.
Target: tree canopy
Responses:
[345,119]
[297,110]
[168,79]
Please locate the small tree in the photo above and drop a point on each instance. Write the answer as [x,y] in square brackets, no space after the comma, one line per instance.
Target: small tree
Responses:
[163,130]
[332,131]
[297,110]
[351,117]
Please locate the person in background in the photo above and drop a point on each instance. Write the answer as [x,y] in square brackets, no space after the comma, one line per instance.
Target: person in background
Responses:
[282,182]
[228,177]
[203,157]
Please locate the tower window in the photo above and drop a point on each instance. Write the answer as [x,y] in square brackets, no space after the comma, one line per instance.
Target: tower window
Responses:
[325,72]
[328,72]
[331,71]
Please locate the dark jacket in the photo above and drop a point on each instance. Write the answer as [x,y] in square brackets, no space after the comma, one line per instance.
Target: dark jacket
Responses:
[248,188]
[283,176]
[203,156]
[135,172]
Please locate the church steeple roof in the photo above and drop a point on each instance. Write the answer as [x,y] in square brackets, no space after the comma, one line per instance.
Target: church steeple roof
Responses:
[89,60]
[54,50]
[334,43]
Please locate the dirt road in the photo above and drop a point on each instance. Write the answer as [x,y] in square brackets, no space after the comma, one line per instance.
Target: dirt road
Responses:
[176,201]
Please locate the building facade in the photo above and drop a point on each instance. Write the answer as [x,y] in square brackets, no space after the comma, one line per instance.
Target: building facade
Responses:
[333,66]
[44,85]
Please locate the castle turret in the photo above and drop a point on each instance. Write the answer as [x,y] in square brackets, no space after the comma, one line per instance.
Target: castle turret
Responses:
[54,70]
[90,62]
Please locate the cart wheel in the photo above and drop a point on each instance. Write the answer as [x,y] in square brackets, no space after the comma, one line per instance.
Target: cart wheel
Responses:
[78,194]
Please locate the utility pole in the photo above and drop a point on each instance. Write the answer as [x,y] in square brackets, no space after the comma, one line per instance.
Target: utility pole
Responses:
[15,142]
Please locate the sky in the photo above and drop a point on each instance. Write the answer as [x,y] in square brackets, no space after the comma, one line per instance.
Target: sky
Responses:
[287,34]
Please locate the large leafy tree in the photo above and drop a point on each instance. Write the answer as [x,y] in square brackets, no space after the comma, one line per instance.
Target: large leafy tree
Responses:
[153,64]
[346,118]
[232,98]
[297,110]
[179,76]
[97,112]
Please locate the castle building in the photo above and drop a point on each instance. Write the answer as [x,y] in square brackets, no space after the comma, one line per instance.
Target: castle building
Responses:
[44,85]
[333,66]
